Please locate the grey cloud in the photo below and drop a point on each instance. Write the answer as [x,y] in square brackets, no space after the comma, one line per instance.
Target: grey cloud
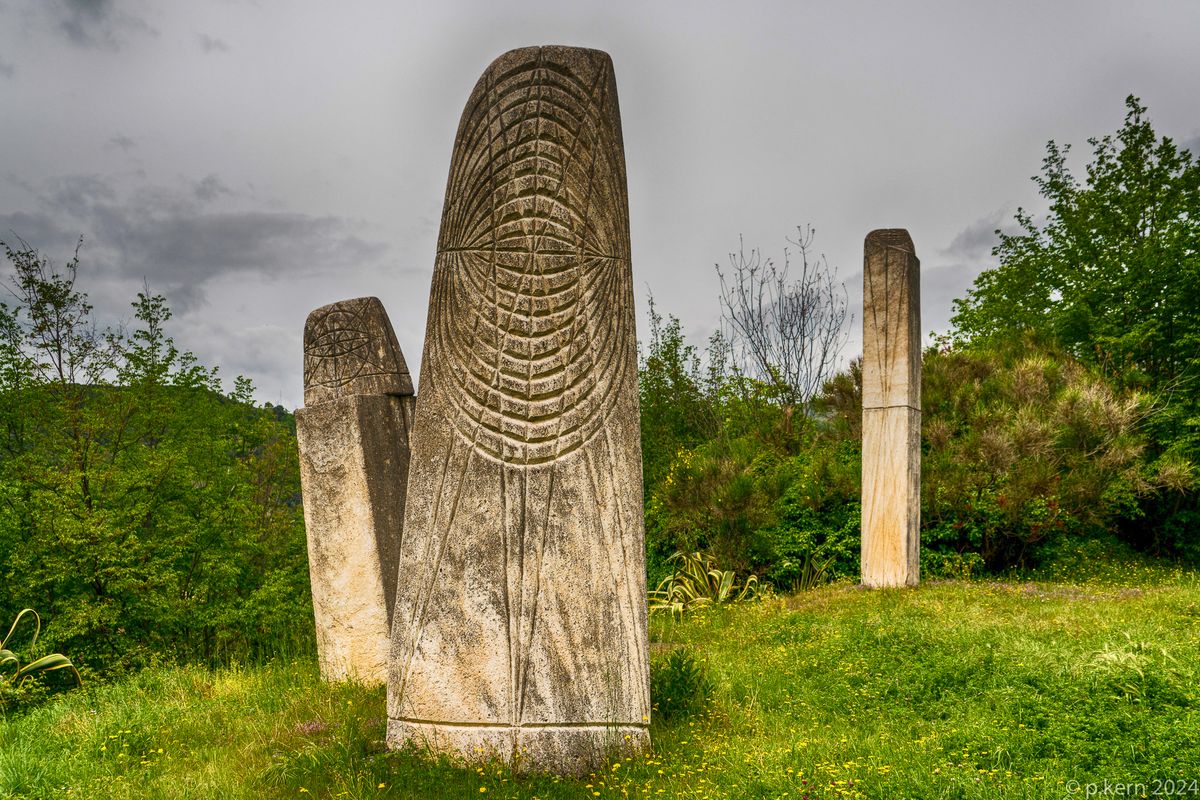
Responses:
[39,230]
[187,249]
[183,298]
[97,23]
[77,195]
[19,182]
[1192,145]
[7,69]
[211,44]
[975,242]
[940,287]
[121,142]
[267,352]
[210,188]
[175,238]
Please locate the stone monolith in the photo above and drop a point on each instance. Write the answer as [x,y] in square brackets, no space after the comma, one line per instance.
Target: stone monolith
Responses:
[891,393]
[353,434]
[520,626]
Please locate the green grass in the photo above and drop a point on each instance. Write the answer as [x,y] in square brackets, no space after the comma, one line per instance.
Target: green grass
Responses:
[954,690]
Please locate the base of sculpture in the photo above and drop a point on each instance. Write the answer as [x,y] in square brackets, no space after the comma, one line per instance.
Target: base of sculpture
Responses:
[891,508]
[573,749]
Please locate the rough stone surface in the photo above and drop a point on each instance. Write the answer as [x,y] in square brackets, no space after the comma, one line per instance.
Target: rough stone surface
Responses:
[353,442]
[891,390]
[520,627]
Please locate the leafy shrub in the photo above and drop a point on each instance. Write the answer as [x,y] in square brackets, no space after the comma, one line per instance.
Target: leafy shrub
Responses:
[679,685]
[677,411]
[816,538]
[718,498]
[150,514]
[1024,444]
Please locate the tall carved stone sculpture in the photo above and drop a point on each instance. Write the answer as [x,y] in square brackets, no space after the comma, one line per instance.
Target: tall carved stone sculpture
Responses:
[520,625]
[353,436]
[891,393]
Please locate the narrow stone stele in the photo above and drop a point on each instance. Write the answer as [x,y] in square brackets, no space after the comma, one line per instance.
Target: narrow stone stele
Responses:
[891,392]
[353,435]
[520,627]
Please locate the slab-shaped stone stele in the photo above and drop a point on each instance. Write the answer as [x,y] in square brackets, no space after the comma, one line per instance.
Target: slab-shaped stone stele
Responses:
[353,436]
[891,391]
[520,625]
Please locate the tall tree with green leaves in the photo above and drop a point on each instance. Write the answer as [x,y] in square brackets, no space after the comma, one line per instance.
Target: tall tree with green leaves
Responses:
[1113,272]
[144,512]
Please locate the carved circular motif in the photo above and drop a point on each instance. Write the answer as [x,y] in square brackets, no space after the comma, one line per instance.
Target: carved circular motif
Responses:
[349,348]
[532,312]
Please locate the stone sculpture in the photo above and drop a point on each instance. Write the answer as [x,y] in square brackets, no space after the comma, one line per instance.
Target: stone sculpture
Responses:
[891,394]
[353,434]
[520,625]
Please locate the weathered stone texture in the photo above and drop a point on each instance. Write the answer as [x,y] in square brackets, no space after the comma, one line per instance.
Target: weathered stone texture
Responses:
[891,390]
[353,467]
[520,625]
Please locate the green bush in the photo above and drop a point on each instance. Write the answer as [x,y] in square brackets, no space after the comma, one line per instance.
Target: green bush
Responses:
[718,498]
[818,519]
[679,685]
[1111,275]
[1022,445]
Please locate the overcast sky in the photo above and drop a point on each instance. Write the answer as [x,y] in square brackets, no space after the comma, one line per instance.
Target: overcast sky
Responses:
[254,160]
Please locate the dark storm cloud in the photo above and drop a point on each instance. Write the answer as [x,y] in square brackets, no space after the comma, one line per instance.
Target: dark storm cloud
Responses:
[184,248]
[78,195]
[211,44]
[96,23]
[179,241]
[182,298]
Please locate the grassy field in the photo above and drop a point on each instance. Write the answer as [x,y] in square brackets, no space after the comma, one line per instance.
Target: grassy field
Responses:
[954,690]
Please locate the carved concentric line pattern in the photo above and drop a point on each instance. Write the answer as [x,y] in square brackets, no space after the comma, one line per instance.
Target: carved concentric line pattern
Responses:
[526,265]
[350,348]
[339,351]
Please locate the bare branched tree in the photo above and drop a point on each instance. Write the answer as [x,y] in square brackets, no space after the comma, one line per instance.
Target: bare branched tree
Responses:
[785,332]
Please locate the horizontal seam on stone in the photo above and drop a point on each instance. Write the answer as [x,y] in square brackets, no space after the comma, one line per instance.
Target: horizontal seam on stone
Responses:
[885,408]
[508,726]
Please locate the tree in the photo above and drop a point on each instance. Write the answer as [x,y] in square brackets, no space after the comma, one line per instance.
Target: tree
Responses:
[1112,276]
[1113,273]
[785,333]
[144,512]
[677,400]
